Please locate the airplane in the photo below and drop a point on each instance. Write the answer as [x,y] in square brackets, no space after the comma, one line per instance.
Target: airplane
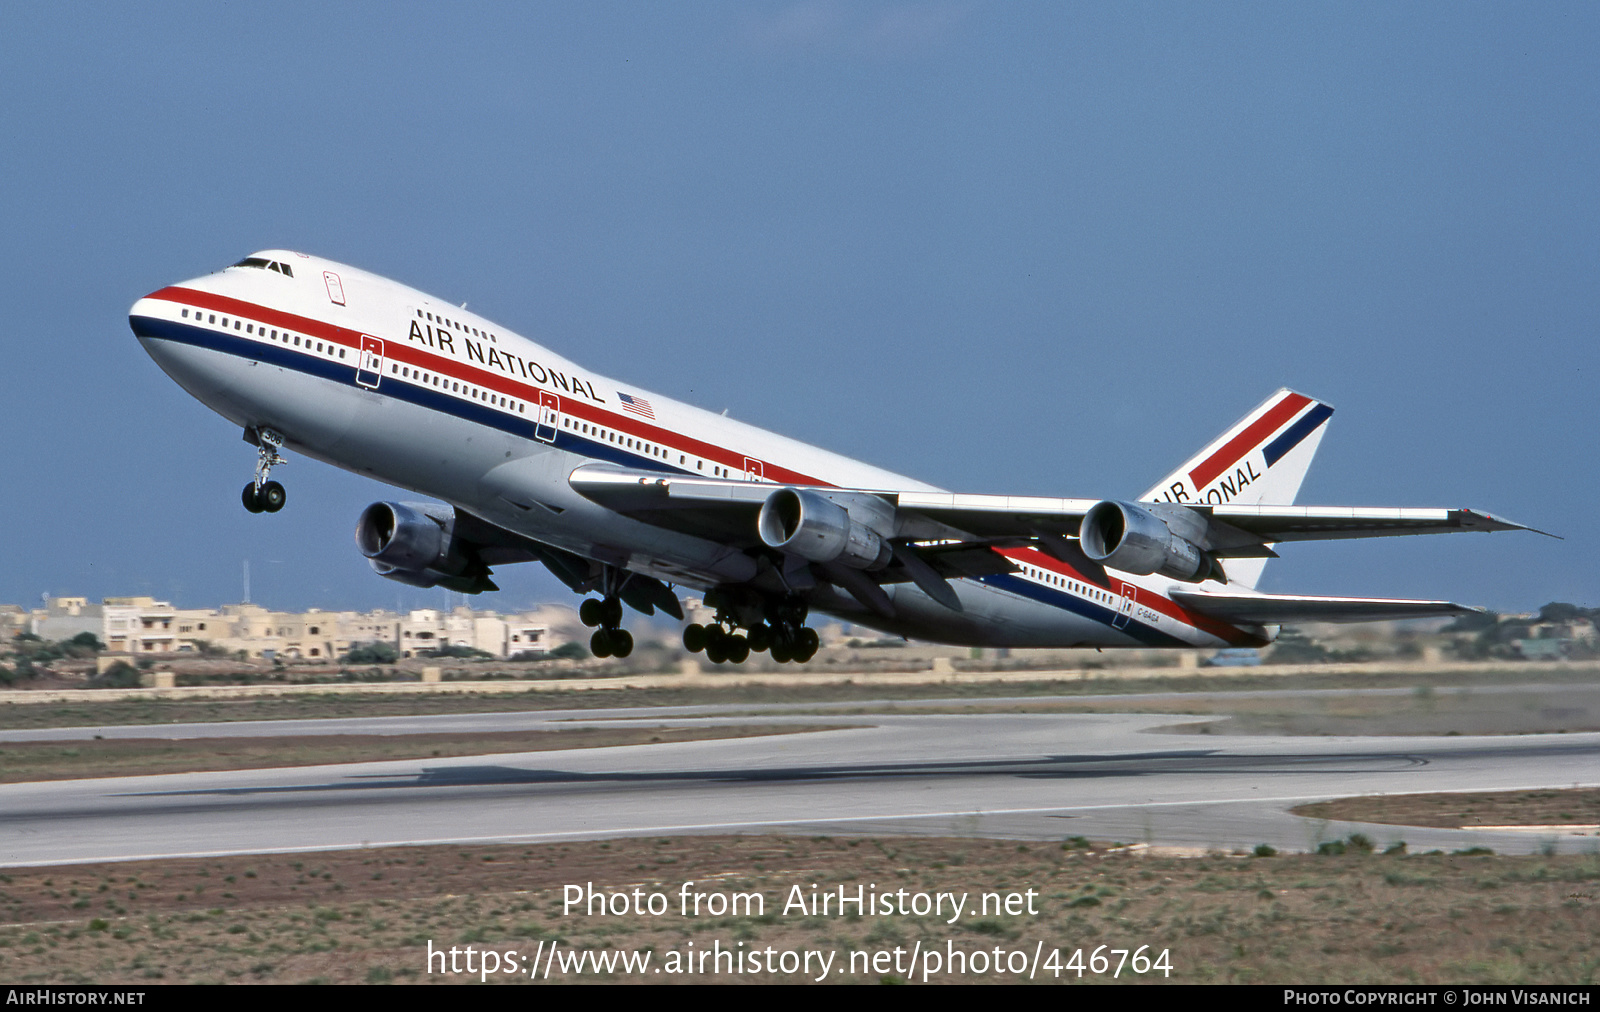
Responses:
[628,494]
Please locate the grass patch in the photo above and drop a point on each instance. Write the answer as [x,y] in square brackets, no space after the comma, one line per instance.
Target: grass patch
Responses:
[1579,806]
[1538,706]
[22,762]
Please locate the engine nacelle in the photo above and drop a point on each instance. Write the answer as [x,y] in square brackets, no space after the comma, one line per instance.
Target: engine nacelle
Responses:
[814,527]
[410,542]
[1137,539]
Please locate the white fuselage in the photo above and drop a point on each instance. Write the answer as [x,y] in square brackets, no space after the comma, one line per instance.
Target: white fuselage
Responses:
[380,379]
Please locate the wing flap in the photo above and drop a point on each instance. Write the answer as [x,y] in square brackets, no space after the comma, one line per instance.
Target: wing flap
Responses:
[1278,609]
[991,516]
[706,507]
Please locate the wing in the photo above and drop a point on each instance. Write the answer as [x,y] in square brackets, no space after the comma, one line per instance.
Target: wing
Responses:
[928,538]
[727,511]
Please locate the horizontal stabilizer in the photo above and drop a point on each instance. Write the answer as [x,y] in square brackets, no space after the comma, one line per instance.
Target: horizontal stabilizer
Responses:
[1278,609]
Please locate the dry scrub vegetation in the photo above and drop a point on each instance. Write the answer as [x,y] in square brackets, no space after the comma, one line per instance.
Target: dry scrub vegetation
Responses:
[367,916]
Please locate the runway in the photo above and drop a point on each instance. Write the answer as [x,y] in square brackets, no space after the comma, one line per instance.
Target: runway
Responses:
[1023,776]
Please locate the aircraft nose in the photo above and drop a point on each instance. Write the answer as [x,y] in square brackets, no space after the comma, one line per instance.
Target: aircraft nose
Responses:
[151,319]
[142,316]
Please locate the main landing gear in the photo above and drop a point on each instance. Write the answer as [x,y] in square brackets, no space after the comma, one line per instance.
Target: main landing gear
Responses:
[610,640]
[779,628]
[261,495]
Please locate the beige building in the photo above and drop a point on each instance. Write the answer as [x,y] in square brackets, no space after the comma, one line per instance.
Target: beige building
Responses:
[143,625]
[13,619]
[133,625]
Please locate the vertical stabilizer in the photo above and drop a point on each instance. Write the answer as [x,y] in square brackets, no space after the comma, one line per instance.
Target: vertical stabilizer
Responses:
[1259,461]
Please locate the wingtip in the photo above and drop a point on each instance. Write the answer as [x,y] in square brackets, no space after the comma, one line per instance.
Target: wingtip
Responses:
[1502,524]
[1525,527]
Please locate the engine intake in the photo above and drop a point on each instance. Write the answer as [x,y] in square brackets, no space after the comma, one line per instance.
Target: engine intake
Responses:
[815,527]
[412,543]
[1136,539]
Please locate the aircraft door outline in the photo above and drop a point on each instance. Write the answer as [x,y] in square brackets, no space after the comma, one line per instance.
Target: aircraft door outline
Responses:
[549,417]
[369,370]
[1125,613]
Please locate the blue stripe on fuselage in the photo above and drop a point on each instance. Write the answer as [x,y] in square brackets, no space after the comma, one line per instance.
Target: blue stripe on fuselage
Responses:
[390,386]
[1135,629]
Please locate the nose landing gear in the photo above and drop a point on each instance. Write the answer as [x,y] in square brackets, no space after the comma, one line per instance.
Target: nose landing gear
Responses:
[261,495]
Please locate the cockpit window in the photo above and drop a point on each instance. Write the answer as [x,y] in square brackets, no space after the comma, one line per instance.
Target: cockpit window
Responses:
[267,265]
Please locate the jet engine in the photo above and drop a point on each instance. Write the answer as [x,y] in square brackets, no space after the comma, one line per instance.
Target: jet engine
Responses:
[414,543]
[1146,539]
[814,526]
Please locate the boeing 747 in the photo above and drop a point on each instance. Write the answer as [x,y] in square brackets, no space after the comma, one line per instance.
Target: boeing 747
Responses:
[624,494]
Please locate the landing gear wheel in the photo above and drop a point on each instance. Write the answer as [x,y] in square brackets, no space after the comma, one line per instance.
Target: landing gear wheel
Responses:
[591,613]
[809,641]
[600,643]
[251,501]
[621,643]
[738,649]
[782,650]
[694,638]
[716,646]
[612,612]
[273,497]
[760,638]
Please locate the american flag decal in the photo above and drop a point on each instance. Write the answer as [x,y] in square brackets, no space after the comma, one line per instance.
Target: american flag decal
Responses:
[638,405]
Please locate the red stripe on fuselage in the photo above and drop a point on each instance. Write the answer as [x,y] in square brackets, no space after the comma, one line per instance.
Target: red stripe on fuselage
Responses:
[404,352]
[1146,598]
[1255,433]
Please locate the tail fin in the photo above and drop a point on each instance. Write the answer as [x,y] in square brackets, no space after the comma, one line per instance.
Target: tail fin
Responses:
[1260,460]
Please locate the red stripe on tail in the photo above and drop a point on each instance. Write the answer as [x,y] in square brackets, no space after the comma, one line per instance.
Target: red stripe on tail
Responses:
[1256,432]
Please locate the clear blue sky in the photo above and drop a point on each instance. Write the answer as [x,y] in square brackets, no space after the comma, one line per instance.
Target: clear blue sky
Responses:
[1040,248]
